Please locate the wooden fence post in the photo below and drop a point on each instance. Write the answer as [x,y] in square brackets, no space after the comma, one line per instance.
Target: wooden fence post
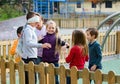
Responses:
[98,77]
[111,77]
[42,75]
[118,43]
[73,75]
[62,75]
[59,22]
[83,23]
[31,73]
[9,56]
[51,74]
[86,78]
[21,72]
[4,51]
[12,72]
[3,71]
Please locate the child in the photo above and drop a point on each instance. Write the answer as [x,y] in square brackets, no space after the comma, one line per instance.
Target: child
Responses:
[40,32]
[13,51]
[79,52]
[51,55]
[30,43]
[95,53]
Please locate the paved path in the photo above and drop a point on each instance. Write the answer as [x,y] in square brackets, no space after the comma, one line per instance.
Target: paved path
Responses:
[8,27]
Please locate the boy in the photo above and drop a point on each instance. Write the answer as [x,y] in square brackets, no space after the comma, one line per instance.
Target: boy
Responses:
[30,42]
[13,51]
[95,54]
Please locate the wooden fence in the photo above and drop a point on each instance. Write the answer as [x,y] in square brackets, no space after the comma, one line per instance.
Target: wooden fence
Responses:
[4,49]
[79,22]
[111,46]
[47,74]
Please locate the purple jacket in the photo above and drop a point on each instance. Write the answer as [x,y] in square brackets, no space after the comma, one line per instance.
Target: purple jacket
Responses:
[49,54]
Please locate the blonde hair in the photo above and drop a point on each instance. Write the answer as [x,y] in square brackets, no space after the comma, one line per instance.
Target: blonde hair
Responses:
[50,22]
[57,46]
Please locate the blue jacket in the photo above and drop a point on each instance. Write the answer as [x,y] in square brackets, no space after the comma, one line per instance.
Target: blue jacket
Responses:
[49,55]
[95,55]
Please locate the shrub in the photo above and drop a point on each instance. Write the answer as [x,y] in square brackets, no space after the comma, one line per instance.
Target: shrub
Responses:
[9,11]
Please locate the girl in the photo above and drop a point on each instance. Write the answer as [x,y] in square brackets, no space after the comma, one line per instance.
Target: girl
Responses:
[79,51]
[51,55]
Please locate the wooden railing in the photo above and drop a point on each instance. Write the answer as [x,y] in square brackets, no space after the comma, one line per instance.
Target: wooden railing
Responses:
[4,49]
[47,74]
[111,46]
[78,22]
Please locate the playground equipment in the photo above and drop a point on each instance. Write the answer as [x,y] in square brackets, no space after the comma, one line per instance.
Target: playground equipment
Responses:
[46,7]
[110,28]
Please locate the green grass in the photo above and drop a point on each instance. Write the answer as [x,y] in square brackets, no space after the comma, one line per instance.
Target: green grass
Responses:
[8,11]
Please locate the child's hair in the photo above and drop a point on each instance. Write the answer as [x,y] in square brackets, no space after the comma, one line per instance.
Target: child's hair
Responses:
[39,16]
[93,31]
[30,15]
[79,38]
[19,30]
[50,22]
[58,46]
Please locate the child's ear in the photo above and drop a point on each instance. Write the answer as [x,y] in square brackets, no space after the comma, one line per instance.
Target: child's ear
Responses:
[18,34]
[94,36]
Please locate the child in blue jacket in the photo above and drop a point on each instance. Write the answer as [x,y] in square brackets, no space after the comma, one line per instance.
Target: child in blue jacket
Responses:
[95,53]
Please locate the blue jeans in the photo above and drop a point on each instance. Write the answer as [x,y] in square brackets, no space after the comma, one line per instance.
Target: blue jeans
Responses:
[39,59]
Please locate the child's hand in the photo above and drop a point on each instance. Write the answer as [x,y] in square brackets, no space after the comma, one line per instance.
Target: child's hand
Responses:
[40,38]
[64,52]
[67,45]
[46,45]
[93,68]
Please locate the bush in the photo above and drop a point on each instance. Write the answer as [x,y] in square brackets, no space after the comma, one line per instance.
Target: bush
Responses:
[9,11]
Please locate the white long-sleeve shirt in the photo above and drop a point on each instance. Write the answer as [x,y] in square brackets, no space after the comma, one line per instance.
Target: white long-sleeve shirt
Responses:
[30,43]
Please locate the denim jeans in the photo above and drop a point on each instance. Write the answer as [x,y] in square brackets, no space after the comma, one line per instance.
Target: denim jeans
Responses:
[39,59]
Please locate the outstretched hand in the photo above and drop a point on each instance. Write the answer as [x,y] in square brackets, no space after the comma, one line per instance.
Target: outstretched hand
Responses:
[67,45]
